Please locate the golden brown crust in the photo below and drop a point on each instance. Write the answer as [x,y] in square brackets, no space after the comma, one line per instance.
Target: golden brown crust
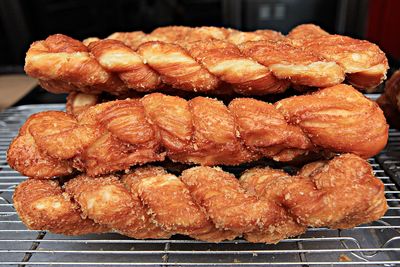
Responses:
[363,62]
[306,32]
[265,205]
[391,112]
[392,89]
[389,101]
[301,67]
[118,134]
[42,205]
[238,37]
[245,75]
[131,39]
[107,201]
[176,67]
[365,194]
[79,102]
[337,111]
[62,58]
[126,63]
[26,155]
[205,59]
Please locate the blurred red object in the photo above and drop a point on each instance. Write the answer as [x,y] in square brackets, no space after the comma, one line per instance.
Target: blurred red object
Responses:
[384,25]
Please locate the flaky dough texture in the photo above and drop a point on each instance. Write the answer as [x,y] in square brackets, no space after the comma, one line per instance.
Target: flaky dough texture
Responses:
[205,59]
[389,101]
[265,205]
[118,134]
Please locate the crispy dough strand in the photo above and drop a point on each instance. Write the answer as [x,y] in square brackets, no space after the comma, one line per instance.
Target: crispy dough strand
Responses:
[205,59]
[118,134]
[265,205]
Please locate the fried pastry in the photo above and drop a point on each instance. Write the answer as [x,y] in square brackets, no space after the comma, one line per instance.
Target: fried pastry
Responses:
[363,62]
[44,205]
[265,205]
[79,102]
[306,32]
[118,134]
[389,101]
[205,59]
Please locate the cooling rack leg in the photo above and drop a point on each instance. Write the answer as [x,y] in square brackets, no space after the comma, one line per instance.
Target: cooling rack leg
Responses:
[165,257]
[34,246]
[301,254]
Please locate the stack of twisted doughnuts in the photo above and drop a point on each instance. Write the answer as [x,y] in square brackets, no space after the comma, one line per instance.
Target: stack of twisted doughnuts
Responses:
[79,162]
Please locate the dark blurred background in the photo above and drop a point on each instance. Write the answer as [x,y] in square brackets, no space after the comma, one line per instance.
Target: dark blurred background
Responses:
[24,21]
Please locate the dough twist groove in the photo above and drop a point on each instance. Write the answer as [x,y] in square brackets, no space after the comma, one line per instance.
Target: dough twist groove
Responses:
[118,134]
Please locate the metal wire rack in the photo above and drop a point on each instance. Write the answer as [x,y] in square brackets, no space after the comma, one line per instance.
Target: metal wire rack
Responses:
[375,244]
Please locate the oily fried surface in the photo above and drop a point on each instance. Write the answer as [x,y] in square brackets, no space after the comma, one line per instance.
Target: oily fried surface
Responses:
[389,101]
[346,184]
[42,205]
[205,59]
[364,62]
[392,89]
[225,202]
[62,58]
[109,202]
[287,61]
[167,112]
[323,193]
[254,117]
[176,67]
[306,32]
[127,138]
[26,156]
[214,137]
[354,55]
[182,214]
[268,184]
[245,75]
[114,55]
[338,110]
[78,102]
[265,205]
[238,37]
[119,134]
[391,112]
[131,39]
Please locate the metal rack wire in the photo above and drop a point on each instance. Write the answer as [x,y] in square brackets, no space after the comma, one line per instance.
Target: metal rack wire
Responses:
[376,244]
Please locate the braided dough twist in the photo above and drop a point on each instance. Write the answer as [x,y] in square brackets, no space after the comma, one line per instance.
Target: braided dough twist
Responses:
[118,134]
[389,101]
[205,59]
[265,205]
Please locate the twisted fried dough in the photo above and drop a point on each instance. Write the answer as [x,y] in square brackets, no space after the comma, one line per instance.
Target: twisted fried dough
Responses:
[78,102]
[306,32]
[265,205]
[118,134]
[363,62]
[205,59]
[389,101]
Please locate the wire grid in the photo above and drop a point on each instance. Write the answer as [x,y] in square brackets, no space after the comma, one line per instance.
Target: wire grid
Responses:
[375,244]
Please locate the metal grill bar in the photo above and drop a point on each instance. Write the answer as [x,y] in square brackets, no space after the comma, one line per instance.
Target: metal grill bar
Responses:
[177,241]
[375,244]
[235,252]
[386,263]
